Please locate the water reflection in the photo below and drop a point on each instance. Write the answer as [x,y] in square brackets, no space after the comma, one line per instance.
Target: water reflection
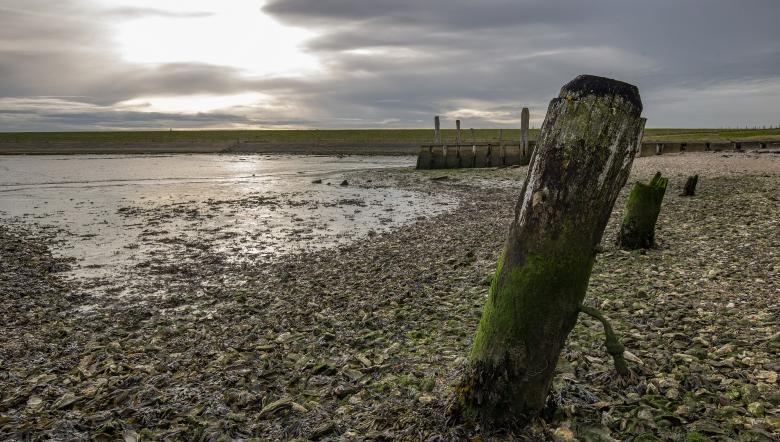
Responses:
[114,212]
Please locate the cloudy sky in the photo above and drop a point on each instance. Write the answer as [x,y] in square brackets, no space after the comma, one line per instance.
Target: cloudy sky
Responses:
[111,64]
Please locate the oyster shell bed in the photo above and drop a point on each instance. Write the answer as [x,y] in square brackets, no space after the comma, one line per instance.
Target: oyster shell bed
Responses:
[364,340]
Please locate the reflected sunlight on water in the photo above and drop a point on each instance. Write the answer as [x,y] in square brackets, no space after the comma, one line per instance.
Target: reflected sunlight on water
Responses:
[113,212]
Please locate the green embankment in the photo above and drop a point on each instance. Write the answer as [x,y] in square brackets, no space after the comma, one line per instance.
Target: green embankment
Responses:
[328,142]
[356,136]
[359,136]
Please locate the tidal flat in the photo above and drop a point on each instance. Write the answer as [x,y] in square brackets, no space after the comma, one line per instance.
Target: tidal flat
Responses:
[207,335]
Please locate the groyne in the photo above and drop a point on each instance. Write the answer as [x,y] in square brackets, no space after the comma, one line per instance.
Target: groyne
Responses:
[442,156]
[660,148]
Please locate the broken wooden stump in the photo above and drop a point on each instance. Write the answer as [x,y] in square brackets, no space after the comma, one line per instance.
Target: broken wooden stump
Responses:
[637,231]
[690,186]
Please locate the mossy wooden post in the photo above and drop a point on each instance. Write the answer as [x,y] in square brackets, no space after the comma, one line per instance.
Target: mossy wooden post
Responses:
[581,161]
[637,231]
[690,186]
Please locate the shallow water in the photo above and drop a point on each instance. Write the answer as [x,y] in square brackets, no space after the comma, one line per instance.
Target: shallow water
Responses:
[113,212]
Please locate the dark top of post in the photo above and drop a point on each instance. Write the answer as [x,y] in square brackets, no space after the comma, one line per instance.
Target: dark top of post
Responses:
[593,85]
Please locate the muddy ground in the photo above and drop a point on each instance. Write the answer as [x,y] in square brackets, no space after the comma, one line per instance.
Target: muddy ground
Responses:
[362,342]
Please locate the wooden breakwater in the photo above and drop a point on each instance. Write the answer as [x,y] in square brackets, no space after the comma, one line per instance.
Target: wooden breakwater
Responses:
[439,155]
[442,156]
[484,154]
[660,148]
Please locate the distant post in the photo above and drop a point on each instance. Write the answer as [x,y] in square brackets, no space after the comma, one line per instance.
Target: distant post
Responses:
[457,132]
[524,120]
[436,130]
[642,122]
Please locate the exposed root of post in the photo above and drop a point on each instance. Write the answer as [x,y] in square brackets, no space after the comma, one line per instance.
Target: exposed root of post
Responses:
[614,347]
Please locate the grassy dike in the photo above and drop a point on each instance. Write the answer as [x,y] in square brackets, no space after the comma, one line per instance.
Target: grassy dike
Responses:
[310,141]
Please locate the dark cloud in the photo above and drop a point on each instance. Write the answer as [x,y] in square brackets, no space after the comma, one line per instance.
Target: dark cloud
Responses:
[397,63]
[439,14]
[482,57]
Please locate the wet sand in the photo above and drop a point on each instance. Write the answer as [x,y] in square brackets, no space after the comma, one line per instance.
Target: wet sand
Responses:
[115,213]
[362,340]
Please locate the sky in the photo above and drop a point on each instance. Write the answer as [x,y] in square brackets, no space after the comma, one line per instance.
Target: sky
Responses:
[284,64]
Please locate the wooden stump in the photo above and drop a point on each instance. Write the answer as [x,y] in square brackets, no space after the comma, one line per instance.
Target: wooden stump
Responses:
[582,159]
[690,186]
[525,118]
[637,231]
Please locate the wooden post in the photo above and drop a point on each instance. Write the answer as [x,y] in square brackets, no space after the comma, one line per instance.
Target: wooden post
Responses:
[525,118]
[501,150]
[690,186]
[637,231]
[436,131]
[642,123]
[457,132]
[581,161]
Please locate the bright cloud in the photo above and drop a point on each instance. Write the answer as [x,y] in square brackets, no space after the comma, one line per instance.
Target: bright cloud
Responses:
[234,33]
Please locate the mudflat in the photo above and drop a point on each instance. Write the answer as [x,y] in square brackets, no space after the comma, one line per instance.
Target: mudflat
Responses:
[362,340]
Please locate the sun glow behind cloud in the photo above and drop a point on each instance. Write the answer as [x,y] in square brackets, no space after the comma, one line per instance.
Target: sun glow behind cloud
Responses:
[233,33]
[193,103]
[230,33]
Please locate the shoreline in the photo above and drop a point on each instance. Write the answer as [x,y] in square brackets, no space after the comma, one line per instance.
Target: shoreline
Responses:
[307,142]
[213,148]
[362,341]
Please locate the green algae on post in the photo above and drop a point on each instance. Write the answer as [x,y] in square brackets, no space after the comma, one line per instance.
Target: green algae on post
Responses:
[637,231]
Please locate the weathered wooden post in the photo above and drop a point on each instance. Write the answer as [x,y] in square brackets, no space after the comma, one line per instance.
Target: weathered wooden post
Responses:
[436,130]
[690,186]
[642,123]
[637,231]
[457,132]
[525,117]
[581,161]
